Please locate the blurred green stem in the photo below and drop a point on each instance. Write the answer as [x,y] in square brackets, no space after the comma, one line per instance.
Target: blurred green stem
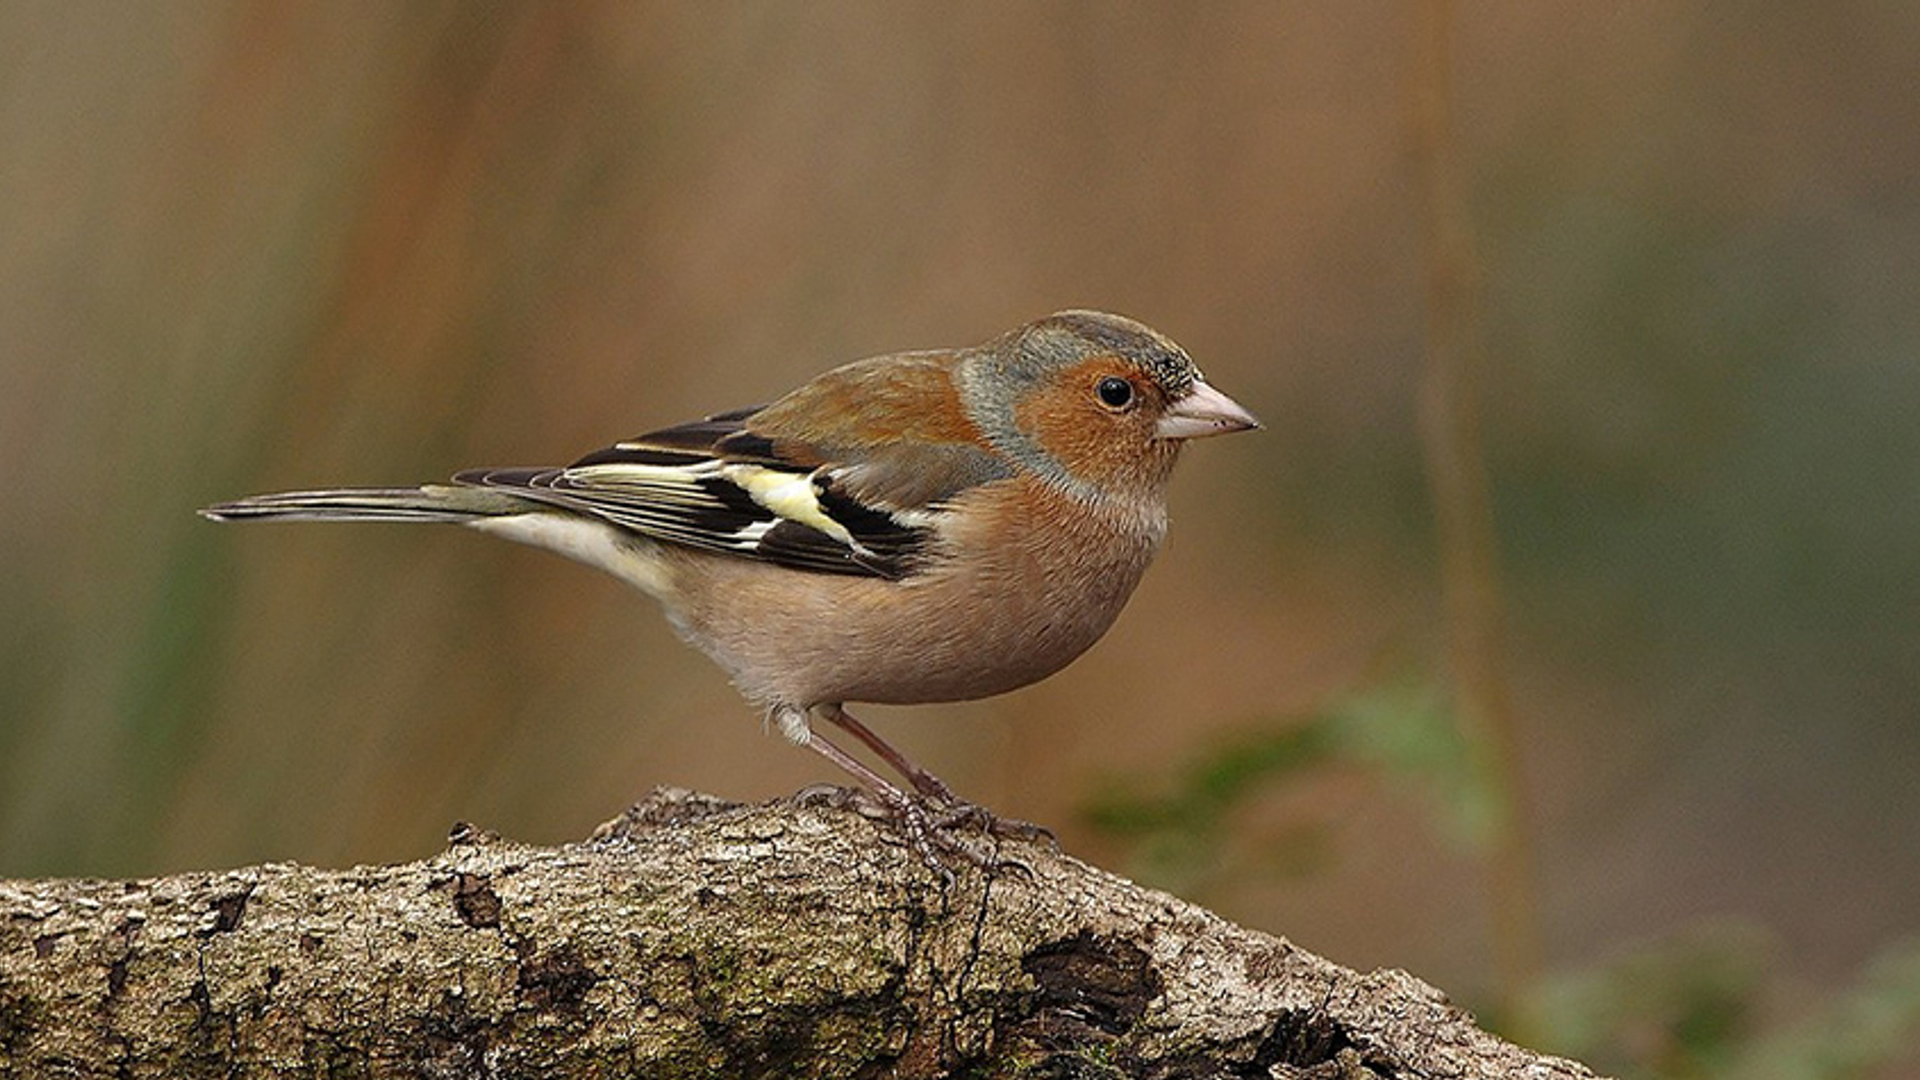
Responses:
[1450,433]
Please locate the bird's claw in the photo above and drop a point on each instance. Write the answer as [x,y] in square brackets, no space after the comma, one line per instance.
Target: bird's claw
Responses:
[933,828]
[958,813]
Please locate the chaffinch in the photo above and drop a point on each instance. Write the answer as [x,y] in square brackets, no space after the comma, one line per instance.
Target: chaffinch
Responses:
[917,527]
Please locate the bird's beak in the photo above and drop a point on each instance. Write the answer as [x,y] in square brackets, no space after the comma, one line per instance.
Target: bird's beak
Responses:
[1203,411]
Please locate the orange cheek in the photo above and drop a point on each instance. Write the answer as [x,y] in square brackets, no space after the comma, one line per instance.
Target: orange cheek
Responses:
[1091,442]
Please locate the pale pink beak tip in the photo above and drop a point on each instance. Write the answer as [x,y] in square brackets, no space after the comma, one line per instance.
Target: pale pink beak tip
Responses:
[1204,411]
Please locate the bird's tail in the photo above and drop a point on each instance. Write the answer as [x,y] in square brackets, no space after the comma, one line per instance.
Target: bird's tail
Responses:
[432,502]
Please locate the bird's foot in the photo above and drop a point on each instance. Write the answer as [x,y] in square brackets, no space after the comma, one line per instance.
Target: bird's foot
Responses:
[931,815]
[953,812]
[936,828]
[958,813]
[937,831]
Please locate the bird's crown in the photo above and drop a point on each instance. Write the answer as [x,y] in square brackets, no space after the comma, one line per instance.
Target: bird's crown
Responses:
[1068,337]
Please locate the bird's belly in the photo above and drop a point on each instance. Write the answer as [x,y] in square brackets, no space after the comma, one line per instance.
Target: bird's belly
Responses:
[810,638]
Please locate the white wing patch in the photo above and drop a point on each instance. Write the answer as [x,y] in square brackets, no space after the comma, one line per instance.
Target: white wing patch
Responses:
[789,495]
[656,479]
[788,516]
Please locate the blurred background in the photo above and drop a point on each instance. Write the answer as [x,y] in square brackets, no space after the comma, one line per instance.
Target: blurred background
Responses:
[246,247]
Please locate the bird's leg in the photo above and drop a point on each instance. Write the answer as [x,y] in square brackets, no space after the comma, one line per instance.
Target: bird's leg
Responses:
[792,723]
[923,781]
[954,809]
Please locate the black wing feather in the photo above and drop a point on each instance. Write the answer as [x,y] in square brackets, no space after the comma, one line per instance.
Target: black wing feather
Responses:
[712,513]
[685,444]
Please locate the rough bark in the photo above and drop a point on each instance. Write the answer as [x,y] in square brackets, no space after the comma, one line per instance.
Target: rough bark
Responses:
[693,938]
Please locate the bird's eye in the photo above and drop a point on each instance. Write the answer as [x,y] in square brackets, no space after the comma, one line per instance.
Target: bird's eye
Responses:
[1115,392]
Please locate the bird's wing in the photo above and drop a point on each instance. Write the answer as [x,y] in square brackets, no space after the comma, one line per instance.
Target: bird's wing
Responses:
[857,491]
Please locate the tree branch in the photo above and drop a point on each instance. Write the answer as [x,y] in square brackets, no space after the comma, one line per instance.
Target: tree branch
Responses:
[693,937]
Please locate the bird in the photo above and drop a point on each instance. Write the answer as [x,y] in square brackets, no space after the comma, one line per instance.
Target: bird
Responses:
[917,527]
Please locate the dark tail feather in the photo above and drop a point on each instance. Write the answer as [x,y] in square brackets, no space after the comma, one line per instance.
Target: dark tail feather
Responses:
[433,502]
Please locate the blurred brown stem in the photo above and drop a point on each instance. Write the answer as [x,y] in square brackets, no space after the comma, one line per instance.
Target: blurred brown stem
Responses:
[1450,432]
